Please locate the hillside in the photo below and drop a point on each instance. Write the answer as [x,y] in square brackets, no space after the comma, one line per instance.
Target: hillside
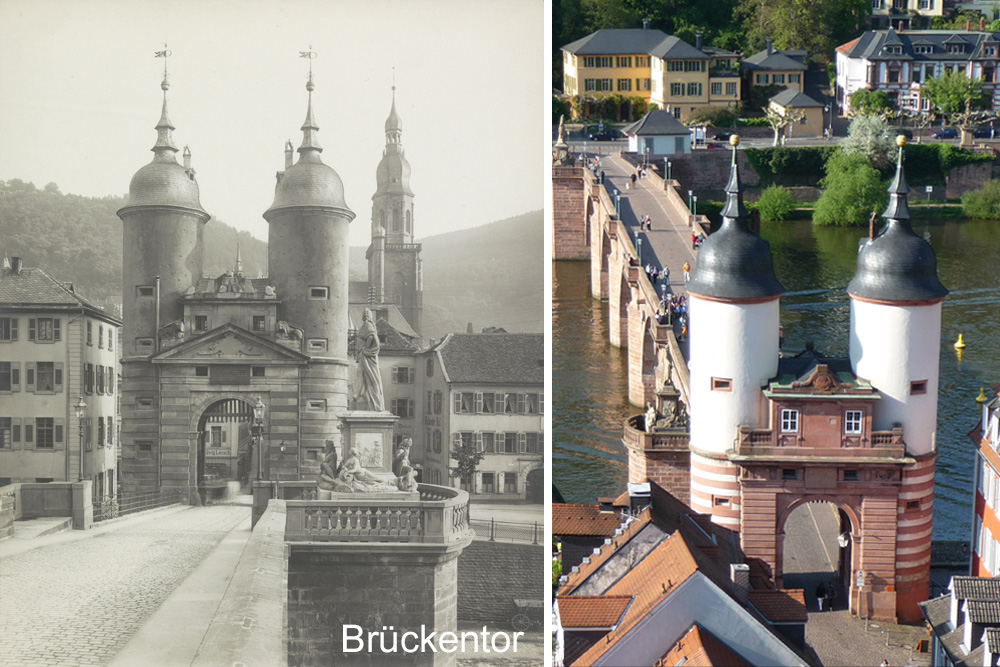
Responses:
[490,275]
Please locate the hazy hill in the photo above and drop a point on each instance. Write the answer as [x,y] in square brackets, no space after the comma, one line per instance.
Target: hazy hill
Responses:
[490,275]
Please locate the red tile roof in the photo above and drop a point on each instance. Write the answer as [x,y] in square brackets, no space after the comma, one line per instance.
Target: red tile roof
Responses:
[699,648]
[594,612]
[844,48]
[780,606]
[586,520]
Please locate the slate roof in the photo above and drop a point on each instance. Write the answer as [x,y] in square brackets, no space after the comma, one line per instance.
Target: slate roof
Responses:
[657,122]
[675,48]
[796,371]
[790,97]
[597,612]
[870,45]
[780,606]
[33,288]
[776,60]
[493,358]
[583,520]
[616,41]
[984,612]
[976,588]
[700,648]
[937,613]
[983,599]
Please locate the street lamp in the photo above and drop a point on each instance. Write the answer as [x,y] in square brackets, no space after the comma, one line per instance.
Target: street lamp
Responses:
[638,250]
[690,194]
[257,429]
[669,164]
[81,411]
[829,125]
[618,209]
[695,206]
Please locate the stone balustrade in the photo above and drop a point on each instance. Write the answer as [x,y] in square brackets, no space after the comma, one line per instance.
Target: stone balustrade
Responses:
[757,443]
[670,439]
[440,516]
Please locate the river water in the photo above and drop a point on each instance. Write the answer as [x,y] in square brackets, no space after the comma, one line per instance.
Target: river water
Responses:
[814,264]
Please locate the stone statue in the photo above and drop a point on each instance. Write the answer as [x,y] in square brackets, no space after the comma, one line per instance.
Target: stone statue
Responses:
[327,480]
[650,417]
[678,419]
[407,479]
[269,291]
[354,476]
[366,348]
[285,330]
[402,457]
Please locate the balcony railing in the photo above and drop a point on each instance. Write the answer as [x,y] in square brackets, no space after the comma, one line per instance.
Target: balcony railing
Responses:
[670,439]
[758,442]
[440,516]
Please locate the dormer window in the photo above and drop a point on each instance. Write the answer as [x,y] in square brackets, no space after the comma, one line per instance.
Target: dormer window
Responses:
[894,50]
[956,48]
[923,49]
[990,51]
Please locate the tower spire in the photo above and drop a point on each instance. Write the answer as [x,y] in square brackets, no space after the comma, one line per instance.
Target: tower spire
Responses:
[239,259]
[734,210]
[310,148]
[898,209]
[164,147]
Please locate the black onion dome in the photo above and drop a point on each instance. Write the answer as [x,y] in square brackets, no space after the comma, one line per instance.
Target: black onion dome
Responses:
[734,263]
[896,265]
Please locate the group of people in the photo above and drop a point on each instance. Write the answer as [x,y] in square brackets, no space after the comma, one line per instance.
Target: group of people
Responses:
[674,309]
[697,240]
[825,595]
[655,274]
[646,223]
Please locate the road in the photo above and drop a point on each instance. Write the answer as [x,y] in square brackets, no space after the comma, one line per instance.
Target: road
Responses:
[79,599]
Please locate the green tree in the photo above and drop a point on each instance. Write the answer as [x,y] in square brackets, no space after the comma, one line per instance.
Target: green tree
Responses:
[852,191]
[962,99]
[983,203]
[560,109]
[467,458]
[776,203]
[871,138]
[866,102]
[716,116]
[779,122]
[814,25]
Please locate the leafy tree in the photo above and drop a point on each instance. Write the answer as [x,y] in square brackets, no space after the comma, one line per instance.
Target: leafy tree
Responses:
[467,458]
[779,122]
[962,99]
[866,102]
[983,203]
[852,191]
[639,107]
[814,25]
[716,116]
[760,96]
[776,203]
[870,137]
[560,108]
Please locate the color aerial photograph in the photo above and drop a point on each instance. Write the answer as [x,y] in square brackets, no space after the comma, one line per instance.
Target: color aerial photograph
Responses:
[775,333]
[272,314]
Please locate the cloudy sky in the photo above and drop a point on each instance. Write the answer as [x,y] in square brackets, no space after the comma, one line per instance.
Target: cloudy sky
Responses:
[81,96]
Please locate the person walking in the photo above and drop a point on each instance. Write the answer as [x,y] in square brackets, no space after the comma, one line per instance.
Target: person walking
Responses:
[687,272]
[820,595]
[633,180]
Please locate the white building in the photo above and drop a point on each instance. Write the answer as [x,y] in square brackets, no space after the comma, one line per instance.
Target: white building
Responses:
[658,133]
[56,348]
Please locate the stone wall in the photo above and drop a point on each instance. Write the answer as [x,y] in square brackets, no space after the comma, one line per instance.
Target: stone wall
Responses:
[968,177]
[569,219]
[492,574]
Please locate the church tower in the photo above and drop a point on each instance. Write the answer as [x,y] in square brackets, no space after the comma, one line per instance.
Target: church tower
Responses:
[394,265]
[733,305]
[307,265]
[163,226]
[895,336]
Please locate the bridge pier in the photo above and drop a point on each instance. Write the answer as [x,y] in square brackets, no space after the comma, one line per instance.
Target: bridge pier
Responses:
[619,294]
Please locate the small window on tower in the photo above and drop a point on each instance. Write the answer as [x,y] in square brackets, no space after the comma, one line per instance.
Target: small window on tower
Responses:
[201,322]
[258,322]
[145,290]
[912,504]
[722,384]
[317,345]
[319,292]
[720,501]
[918,387]
[144,401]
[143,448]
[201,371]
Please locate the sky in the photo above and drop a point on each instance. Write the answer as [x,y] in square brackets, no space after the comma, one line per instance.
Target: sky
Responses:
[81,97]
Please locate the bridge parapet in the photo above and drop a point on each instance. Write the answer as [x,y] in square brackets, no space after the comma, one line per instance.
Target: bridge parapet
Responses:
[659,439]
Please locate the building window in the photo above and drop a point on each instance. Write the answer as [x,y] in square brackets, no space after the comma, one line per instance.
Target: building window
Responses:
[489,442]
[430,403]
[778,78]
[259,322]
[694,90]
[111,431]
[510,482]
[201,371]
[794,78]
[489,403]
[257,371]
[918,387]
[722,384]
[44,329]
[402,375]
[316,405]
[201,322]
[694,66]
[8,329]
[533,443]
[319,292]
[437,402]
[465,402]
[852,422]
[45,433]
[100,379]
[789,474]
[731,89]
[850,475]
[789,421]
[912,505]
[90,333]
[716,87]
[623,61]
[317,345]
[100,336]
[894,76]
[6,431]
[10,376]
[624,85]
[402,407]
[720,501]
[677,90]
[509,443]
[761,79]
[430,368]
[144,448]
[100,432]
[48,377]
[642,61]
[145,290]
[437,441]
[488,484]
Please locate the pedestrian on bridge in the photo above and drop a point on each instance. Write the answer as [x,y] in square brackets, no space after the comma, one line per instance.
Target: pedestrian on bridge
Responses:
[633,180]
[602,177]
[687,272]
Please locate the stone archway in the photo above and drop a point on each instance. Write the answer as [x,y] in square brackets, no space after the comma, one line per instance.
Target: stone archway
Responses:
[815,548]
[224,448]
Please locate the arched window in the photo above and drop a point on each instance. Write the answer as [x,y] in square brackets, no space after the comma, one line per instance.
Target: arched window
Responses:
[395,220]
[407,229]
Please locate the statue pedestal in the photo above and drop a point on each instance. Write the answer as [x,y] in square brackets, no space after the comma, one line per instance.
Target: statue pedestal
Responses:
[371,434]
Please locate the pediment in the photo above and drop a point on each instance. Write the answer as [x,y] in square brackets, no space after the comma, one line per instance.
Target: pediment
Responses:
[821,380]
[230,344]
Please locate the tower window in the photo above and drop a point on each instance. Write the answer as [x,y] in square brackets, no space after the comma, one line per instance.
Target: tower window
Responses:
[319,292]
[317,345]
[143,448]
[407,228]
[720,501]
[201,371]
[316,405]
[850,475]
[258,322]
[918,387]
[789,421]
[912,504]
[852,422]
[145,290]
[722,384]
[201,322]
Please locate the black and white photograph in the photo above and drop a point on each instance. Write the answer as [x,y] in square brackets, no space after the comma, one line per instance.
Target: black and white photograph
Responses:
[272,314]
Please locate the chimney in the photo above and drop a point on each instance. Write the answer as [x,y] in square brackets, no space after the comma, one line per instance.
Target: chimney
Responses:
[697,40]
[770,46]
[187,157]
[15,266]
[645,24]
[740,574]
[468,328]
[289,152]
[982,23]
[968,26]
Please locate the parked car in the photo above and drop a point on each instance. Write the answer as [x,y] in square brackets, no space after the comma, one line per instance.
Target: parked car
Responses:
[606,135]
[723,135]
[985,132]
[945,134]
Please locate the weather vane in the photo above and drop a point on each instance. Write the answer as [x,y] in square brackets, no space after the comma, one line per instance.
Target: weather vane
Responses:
[165,53]
[310,54]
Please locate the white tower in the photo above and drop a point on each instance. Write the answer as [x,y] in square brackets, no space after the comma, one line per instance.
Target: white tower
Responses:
[734,298]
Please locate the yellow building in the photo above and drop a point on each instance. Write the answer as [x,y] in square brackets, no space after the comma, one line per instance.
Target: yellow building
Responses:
[662,69]
[789,101]
[907,14]
[773,67]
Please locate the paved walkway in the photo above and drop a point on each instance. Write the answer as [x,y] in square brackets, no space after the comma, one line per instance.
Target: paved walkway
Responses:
[76,598]
[835,637]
